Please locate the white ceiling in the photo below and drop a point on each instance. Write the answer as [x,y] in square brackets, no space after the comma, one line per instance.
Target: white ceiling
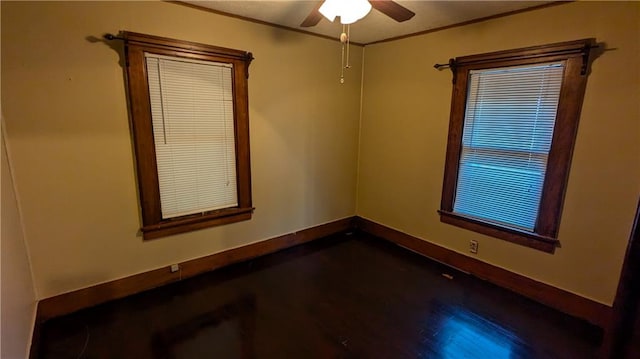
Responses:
[375,26]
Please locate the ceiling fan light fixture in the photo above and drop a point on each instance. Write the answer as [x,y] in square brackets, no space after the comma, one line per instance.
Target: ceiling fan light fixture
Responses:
[330,9]
[349,11]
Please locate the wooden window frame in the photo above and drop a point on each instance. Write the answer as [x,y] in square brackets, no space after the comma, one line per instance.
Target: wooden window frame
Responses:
[575,56]
[153,225]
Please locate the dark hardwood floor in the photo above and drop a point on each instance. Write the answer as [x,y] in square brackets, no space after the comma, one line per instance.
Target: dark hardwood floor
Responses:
[344,296]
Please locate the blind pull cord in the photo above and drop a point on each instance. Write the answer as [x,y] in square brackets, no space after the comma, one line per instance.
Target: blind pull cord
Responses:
[162,103]
[226,138]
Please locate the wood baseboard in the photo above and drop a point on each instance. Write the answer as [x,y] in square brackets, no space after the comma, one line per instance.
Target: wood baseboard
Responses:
[572,304]
[88,297]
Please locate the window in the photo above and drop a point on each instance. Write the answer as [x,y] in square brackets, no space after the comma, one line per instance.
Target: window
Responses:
[514,117]
[189,109]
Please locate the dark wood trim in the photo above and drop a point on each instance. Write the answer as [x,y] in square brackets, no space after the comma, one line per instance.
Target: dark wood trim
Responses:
[153,225]
[195,222]
[575,57]
[135,38]
[256,21]
[617,342]
[564,136]
[88,297]
[142,132]
[469,22]
[454,141]
[572,304]
[549,52]
[532,240]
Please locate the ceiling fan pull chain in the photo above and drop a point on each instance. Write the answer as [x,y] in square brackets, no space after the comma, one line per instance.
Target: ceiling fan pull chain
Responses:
[348,45]
[342,66]
[343,40]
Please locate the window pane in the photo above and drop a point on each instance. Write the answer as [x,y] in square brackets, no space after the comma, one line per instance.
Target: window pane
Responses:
[192,115]
[508,128]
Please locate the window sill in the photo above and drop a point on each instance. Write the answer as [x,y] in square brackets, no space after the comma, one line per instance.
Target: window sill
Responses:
[532,240]
[195,222]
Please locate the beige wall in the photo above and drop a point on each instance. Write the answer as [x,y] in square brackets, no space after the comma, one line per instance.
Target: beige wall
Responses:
[18,300]
[64,101]
[65,106]
[404,134]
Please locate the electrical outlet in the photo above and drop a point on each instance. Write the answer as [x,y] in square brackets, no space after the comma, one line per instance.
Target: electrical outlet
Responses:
[473,246]
[175,268]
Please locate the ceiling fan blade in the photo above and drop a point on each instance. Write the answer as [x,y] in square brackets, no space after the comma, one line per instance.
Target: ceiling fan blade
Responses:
[392,9]
[313,18]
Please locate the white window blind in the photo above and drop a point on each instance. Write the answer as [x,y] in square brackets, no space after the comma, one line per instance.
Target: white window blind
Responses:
[508,127]
[193,130]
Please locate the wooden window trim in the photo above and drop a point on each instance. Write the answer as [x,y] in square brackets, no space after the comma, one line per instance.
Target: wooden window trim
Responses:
[575,56]
[153,226]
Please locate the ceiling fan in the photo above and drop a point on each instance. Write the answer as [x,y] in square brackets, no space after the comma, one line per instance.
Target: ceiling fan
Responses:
[349,12]
[388,7]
